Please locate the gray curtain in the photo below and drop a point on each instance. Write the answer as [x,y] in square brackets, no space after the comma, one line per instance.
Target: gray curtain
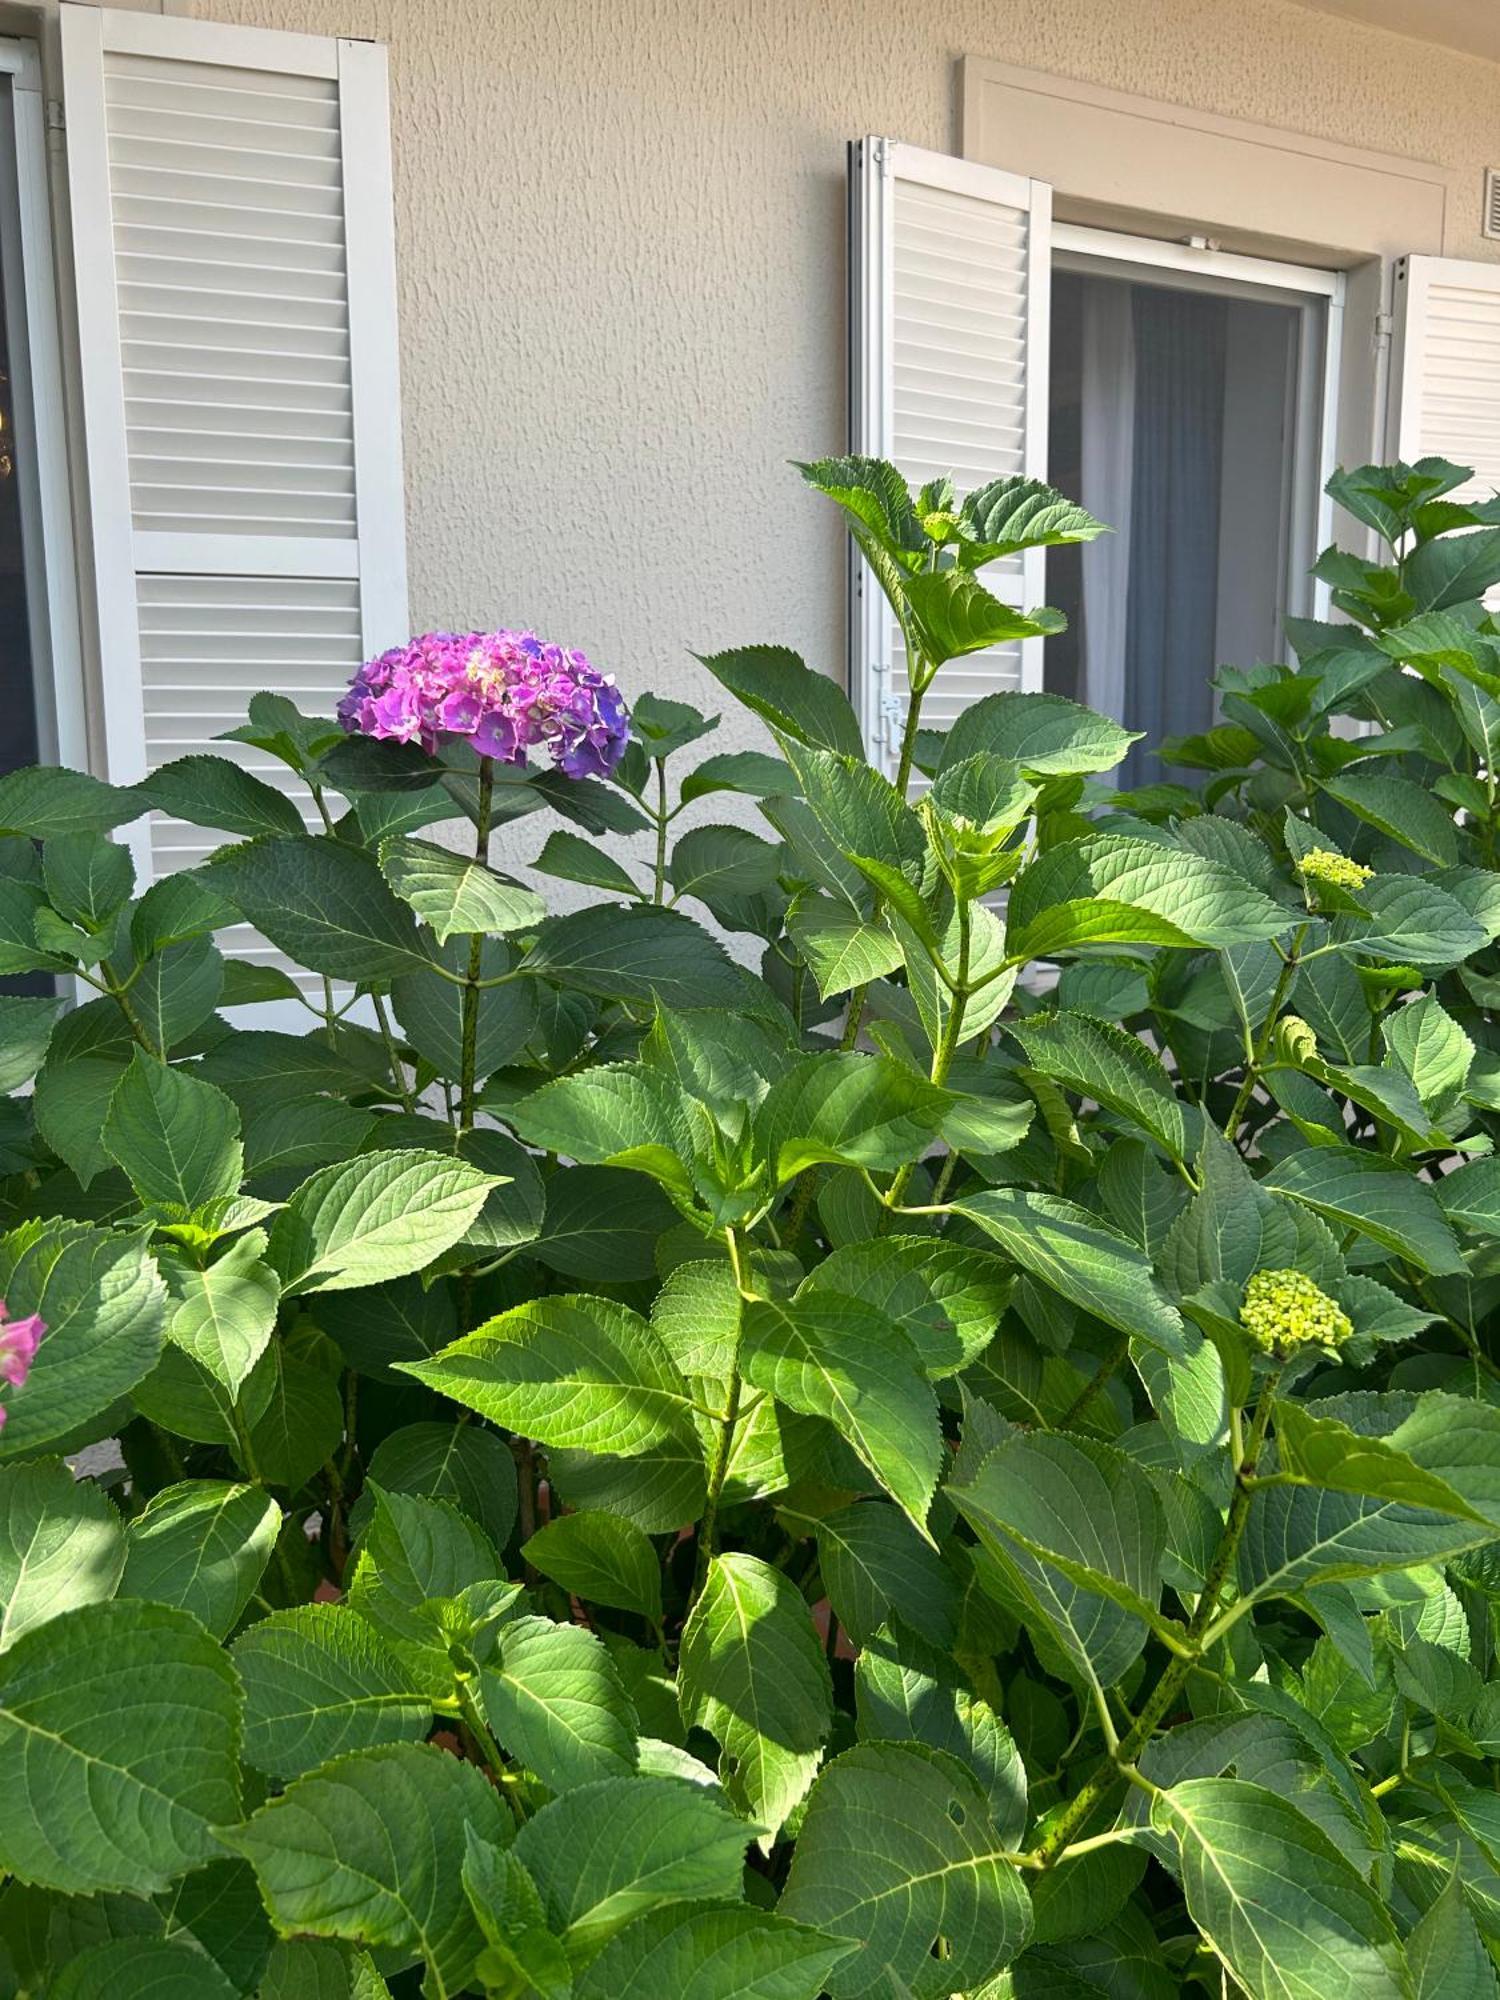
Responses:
[1174,520]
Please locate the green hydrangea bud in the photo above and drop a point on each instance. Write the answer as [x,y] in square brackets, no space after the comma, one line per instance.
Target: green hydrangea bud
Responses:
[1321,864]
[1285,1310]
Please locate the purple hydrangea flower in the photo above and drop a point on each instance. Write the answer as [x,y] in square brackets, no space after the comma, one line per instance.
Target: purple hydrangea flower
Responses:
[19,1341]
[505,692]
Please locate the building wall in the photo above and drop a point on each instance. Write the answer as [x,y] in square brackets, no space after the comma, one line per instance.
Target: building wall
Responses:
[620,239]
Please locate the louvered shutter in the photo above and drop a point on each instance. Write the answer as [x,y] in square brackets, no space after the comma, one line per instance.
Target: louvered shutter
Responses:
[1446,378]
[950,282]
[232,220]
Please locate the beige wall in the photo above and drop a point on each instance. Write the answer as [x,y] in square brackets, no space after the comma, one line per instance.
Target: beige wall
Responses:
[620,239]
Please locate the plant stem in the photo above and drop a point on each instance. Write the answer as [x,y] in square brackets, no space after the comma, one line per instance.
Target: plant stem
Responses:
[1048,1850]
[724,1444]
[1095,1383]
[1262,1042]
[659,877]
[469,1016]
[398,1072]
[947,1048]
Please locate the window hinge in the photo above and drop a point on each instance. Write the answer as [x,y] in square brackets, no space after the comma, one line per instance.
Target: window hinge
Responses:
[892,719]
[1385,326]
[55,120]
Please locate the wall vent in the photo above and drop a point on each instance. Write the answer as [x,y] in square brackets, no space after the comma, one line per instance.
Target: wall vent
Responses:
[1491,223]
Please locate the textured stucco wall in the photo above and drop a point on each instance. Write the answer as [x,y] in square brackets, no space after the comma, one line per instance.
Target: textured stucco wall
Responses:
[620,237]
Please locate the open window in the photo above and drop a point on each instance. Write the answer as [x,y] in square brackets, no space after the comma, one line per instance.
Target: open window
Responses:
[1188,398]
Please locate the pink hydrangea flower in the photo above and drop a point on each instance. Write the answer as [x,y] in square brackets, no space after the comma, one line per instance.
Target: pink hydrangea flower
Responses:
[504,692]
[19,1341]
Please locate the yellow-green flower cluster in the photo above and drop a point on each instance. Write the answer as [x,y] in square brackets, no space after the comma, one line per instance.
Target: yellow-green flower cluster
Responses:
[1285,1310]
[1321,864]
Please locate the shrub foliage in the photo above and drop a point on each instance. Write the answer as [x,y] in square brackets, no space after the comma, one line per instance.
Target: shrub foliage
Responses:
[964,1462]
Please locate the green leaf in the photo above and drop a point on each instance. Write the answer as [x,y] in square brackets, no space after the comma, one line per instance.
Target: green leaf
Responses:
[60,1546]
[864,817]
[1289,1917]
[300,1422]
[952,614]
[453,892]
[749,771]
[1470,1196]
[716,862]
[873,1563]
[1451,569]
[211,791]
[946,1298]
[88,878]
[1327,1453]
[519,1945]
[848,1109]
[555,1701]
[142,1968]
[1114,886]
[371,1848]
[100,1298]
[571,858]
[412,1552]
[1411,922]
[1365,1191]
[203,1546]
[608,1852]
[1017,513]
[43,801]
[430,1010]
[843,1360]
[640,953]
[1446,1954]
[372,1218]
[86,1804]
[752,1673]
[1074,1522]
[842,949]
[708,1953]
[319,1682]
[325,904]
[897,1850]
[569,1371]
[775,685]
[602,1226]
[1431,1047]
[1078,1256]
[907,1690]
[177,1138]
[616,1114]
[1103,1062]
[26,1026]
[1047,735]
[224,1315]
[602,1559]
[461,1463]
[1401,810]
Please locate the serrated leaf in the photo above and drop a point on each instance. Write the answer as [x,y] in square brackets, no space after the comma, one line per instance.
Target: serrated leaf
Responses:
[639,953]
[61,1545]
[838,1358]
[429,1009]
[454,892]
[211,791]
[897,1850]
[842,948]
[707,1953]
[752,1673]
[44,801]
[608,1852]
[1400,809]
[325,904]
[749,771]
[412,1552]
[371,1847]
[951,614]
[519,1946]
[569,1371]
[142,1968]
[1446,1953]
[775,684]
[556,1702]
[319,1682]
[847,1109]
[1171,896]
[873,1564]
[571,858]
[1287,1914]
[100,1297]
[1365,1191]
[1327,1453]
[224,1315]
[946,1298]
[1016,513]
[1100,1061]
[176,1137]
[203,1546]
[86,1805]
[461,1463]
[26,1024]
[602,1559]
[373,1218]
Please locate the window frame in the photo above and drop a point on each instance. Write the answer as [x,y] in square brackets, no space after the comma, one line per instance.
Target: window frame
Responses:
[38,413]
[1321,295]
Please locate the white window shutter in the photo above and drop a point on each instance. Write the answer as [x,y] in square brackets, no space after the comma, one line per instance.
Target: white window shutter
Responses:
[950,287]
[233,231]
[1445,383]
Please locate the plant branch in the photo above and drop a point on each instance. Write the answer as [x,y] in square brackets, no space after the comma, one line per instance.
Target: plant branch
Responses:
[469,1005]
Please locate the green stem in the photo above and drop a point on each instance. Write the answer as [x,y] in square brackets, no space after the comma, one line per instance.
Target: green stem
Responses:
[724,1444]
[1048,1850]
[119,993]
[947,1048]
[659,876]
[392,1055]
[1257,1051]
[469,1006]
[1096,1382]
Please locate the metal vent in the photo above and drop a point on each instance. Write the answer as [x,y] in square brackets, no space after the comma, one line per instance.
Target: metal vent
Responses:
[1491,223]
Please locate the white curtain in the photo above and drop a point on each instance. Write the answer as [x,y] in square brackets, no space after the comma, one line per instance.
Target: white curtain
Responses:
[1107,450]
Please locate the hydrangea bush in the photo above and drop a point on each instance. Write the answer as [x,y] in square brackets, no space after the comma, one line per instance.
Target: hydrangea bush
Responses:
[951,1447]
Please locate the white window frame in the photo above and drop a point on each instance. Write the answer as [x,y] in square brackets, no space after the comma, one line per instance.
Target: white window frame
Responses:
[37,414]
[1320,293]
